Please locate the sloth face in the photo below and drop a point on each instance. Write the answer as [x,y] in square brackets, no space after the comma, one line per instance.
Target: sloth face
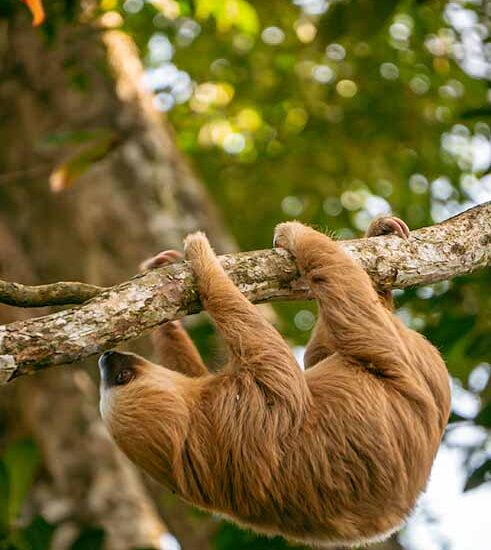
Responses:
[120,370]
[126,375]
[123,376]
[117,369]
[142,405]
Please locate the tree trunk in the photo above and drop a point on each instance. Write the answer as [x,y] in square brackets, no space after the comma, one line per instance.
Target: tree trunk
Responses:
[142,197]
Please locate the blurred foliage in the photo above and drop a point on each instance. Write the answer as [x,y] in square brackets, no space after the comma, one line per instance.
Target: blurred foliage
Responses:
[17,469]
[18,466]
[229,536]
[90,538]
[331,112]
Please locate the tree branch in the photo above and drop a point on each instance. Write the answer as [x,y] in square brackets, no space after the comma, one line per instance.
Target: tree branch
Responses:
[124,312]
[54,294]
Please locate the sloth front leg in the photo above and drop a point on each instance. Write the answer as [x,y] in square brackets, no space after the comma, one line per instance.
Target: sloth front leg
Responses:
[356,324]
[174,347]
[318,347]
[254,344]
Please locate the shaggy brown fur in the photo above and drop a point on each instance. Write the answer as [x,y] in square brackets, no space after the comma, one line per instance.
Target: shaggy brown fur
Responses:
[335,455]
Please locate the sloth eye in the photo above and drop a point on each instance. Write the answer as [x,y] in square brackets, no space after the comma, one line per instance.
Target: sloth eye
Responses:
[123,377]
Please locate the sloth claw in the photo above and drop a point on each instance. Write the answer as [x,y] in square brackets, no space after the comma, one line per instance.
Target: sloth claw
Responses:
[388,225]
[162,258]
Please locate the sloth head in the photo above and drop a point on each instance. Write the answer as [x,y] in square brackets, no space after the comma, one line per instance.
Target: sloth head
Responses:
[131,384]
[134,389]
[122,376]
[144,407]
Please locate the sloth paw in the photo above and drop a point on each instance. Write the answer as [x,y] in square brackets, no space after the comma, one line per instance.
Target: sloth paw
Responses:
[286,235]
[197,246]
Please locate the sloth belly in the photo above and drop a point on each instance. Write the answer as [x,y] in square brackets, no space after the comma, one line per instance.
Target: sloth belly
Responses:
[314,511]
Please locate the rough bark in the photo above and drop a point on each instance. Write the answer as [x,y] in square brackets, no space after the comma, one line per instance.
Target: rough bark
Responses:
[454,247]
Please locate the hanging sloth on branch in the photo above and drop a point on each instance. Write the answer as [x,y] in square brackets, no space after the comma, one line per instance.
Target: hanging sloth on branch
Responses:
[333,455]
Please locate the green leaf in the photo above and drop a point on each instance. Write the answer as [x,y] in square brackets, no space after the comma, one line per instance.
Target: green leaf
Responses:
[4,499]
[37,535]
[484,416]
[21,461]
[91,538]
[229,13]
[479,476]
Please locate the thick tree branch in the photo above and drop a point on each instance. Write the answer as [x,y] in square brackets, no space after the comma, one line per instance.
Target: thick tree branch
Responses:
[455,247]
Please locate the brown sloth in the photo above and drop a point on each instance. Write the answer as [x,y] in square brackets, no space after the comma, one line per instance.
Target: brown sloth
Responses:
[333,455]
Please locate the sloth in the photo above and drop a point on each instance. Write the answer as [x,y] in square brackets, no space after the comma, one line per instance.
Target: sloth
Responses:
[333,455]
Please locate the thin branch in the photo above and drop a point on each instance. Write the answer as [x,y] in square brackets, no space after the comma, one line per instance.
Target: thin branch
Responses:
[54,294]
[124,312]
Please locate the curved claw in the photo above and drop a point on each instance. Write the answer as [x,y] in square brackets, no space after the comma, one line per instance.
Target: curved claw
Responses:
[286,234]
[162,258]
[276,243]
[399,227]
[386,225]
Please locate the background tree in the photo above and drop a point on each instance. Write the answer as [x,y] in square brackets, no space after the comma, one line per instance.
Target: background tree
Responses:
[330,112]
